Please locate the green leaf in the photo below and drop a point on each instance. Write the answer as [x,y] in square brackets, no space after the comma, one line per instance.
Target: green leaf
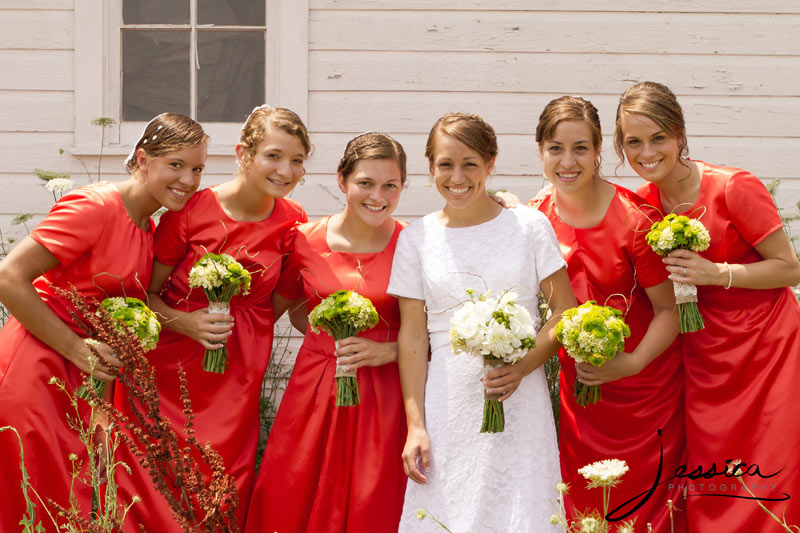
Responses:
[21,219]
[46,175]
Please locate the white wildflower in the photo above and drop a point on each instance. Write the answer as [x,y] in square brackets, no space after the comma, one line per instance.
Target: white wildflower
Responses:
[59,185]
[604,473]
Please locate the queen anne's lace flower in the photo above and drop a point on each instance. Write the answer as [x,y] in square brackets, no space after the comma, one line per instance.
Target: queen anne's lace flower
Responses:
[59,185]
[604,473]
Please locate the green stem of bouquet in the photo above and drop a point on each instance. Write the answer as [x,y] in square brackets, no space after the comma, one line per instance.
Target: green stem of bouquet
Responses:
[347,392]
[98,385]
[494,420]
[690,317]
[586,394]
[346,386]
[216,360]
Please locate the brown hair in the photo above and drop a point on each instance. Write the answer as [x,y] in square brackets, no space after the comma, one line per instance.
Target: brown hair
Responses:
[371,145]
[255,127]
[570,108]
[656,102]
[168,132]
[468,129]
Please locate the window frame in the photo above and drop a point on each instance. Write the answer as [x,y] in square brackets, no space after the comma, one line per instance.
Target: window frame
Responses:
[98,74]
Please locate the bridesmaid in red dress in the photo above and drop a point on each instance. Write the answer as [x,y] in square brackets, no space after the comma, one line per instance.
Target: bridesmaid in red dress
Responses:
[642,389]
[742,370]
[328,468]
[247,218]
[99,239]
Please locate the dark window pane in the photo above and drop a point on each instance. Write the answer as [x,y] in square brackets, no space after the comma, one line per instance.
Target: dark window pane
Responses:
[230,81]
[155,11]
[234,12]
[155,73]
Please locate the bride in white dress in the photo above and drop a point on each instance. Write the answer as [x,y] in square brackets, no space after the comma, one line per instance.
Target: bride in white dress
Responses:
[471,481]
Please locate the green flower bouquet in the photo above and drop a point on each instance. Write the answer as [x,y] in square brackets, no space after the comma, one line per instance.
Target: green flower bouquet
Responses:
[593,334]
[679,232]
[221,277]
[130,314]
[343,314]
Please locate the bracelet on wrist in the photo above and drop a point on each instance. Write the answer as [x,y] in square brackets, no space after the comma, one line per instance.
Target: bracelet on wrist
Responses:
[730,276]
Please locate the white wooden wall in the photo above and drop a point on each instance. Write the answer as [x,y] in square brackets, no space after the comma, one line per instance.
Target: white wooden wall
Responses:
[397,65]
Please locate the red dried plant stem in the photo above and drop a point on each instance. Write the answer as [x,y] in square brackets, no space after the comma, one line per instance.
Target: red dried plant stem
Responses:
[197,504]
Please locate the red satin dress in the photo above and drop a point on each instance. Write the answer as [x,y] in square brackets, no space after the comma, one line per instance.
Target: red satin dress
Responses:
[742,371]
[103,254]
[604,262]
[226,406]
[327,468]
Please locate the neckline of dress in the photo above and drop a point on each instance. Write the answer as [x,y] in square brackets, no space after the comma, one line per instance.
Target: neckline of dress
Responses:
[490,221]
[706,169]
[236,220]
[328,247]
[118,197]
[615,198]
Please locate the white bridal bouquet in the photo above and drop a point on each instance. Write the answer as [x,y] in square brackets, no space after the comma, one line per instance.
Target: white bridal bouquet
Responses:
[343,314]
[679,232]
[593,334]
[221,278]
[133,315]
[497,330]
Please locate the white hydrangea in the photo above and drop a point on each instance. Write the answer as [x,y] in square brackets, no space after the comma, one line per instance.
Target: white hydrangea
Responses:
[489,327]
[665,241]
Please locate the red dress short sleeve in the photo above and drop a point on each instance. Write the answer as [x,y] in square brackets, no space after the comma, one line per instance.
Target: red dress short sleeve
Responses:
[102,253]
[637,415]
[290,282]
[339,468]
[742,369]
[73,225]
[172,239]
[751,207]
[226,406]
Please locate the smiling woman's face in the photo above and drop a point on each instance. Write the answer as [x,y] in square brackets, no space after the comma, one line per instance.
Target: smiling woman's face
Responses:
[459,172]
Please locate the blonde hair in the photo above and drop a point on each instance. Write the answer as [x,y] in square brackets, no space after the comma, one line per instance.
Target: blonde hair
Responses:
[656,102]
[468,129]
[255,127]
[168,132]
[371,145]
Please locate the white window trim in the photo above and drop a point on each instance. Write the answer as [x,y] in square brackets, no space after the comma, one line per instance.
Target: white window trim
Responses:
[97,88]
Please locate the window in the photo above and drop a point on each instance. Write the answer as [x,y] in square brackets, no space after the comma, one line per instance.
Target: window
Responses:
[212,60]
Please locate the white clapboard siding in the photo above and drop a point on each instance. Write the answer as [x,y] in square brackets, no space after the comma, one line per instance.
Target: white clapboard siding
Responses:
[533,31]
[623,6]
[49,30]
[37,70]
[36,111]
[416,111]
[36,5]
[550,72]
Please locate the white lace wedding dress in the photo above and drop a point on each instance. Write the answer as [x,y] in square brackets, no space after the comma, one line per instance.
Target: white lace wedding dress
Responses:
[480,482]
